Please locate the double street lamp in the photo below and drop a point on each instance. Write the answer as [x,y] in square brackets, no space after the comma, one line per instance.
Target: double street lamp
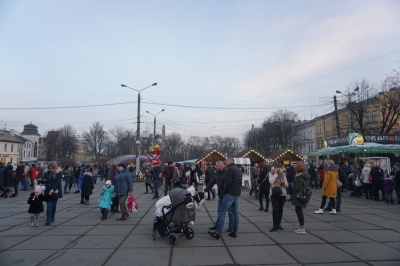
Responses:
[138,124]
[155,121]
[348,96]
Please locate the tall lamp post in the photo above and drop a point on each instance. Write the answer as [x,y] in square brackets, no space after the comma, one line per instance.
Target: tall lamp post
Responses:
[138,125]
[155,122]
[349,95]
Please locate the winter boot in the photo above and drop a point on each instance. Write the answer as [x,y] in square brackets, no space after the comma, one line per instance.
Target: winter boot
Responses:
[102,213]
[32,220]
[319,211]
[105,214]
[333,211]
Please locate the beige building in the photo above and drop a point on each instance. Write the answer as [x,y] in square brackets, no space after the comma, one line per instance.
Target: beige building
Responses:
[10,147]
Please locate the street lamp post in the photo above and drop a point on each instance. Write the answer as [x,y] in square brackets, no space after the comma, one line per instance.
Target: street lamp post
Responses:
[349,95]
[138,125]
[155,122]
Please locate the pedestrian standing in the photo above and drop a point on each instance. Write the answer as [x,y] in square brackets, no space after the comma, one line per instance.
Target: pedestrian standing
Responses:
[253,180]
[301,182]
[107,194]
[87,186]
[264,187]
[155,175]
[277,179]
[35,202]
[329,188]
[230,200]
[209,175]
[123,188]
[53,191]
[388,186]
[147,180]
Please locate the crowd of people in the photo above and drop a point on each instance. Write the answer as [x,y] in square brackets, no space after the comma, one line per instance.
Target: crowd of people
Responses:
[270,182]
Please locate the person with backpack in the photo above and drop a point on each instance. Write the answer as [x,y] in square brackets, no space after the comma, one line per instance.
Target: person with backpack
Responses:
[2,178]
[301,195]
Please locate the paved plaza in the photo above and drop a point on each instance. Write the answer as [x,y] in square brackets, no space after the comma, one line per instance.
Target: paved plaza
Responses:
[364,233]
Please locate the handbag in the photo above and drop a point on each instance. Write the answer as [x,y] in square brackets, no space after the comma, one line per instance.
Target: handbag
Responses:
[276,191]
[357,182]
[339,184]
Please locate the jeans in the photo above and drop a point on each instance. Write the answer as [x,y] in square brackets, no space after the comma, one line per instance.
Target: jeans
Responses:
[230,214]
[16,185]
[229,204]
[51,210]
[389,196]
[25,185]
[66,183]
[167,184]
[155,187]
[338,200]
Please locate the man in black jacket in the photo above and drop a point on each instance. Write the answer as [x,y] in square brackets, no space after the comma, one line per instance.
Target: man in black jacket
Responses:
[219,180]
[230,200]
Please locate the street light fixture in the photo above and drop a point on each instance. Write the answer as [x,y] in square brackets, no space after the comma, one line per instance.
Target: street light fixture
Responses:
[155,121]
[349,95]
[138,124]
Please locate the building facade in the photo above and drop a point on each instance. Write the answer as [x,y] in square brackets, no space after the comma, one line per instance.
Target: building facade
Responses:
[10,147]
[304,138]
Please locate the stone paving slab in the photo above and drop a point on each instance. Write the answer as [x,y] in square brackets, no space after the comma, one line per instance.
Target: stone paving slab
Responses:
[140,256]
[309,253]
[370,251]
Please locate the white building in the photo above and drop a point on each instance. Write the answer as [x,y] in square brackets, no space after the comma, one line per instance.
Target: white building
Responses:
[304,138]
[30,148]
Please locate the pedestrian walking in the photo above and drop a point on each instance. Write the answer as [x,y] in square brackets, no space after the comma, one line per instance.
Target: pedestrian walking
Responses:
[264,187]
[87,186]
[123,188]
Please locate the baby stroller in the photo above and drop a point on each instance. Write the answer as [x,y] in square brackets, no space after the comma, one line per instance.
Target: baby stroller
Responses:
[175,218]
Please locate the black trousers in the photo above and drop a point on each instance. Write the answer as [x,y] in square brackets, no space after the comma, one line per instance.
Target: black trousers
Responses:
[260,198]
[300,215]
[277,208]
[332,201]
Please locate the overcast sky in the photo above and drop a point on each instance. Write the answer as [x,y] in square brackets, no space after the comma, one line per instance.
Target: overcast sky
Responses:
[233,54]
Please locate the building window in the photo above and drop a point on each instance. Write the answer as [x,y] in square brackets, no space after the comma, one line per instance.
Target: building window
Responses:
[12,147]
[5,147]
[24,154]
[333,126]
[374,116]
[349,122]
[326,127]
[366,117]
[340,124]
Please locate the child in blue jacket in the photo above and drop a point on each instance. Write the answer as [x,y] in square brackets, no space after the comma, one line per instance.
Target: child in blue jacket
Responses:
[107,194]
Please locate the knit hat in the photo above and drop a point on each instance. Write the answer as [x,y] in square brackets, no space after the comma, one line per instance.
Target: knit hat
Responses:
[108,182]
[38,189]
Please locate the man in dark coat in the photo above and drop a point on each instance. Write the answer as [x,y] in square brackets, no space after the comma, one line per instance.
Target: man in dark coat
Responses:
[218,179]
[377,180]
[313,176]
[2,179]
[230,201]
[168,173]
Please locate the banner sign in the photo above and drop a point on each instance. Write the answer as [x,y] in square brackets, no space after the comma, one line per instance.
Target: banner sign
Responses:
[384,139]
[355,139]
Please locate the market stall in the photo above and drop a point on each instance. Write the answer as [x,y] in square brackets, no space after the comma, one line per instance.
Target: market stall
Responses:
[246,176]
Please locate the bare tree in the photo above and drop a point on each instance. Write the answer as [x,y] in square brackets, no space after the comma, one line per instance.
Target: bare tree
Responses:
[66,142]
[96,139]
[197,146]
[389,103]
[275,133]
[363,100]
[174,146]
[124,140]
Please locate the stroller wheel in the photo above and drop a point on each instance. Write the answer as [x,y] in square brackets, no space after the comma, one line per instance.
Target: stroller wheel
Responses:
[189,234]
[173,239]
[154,234]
